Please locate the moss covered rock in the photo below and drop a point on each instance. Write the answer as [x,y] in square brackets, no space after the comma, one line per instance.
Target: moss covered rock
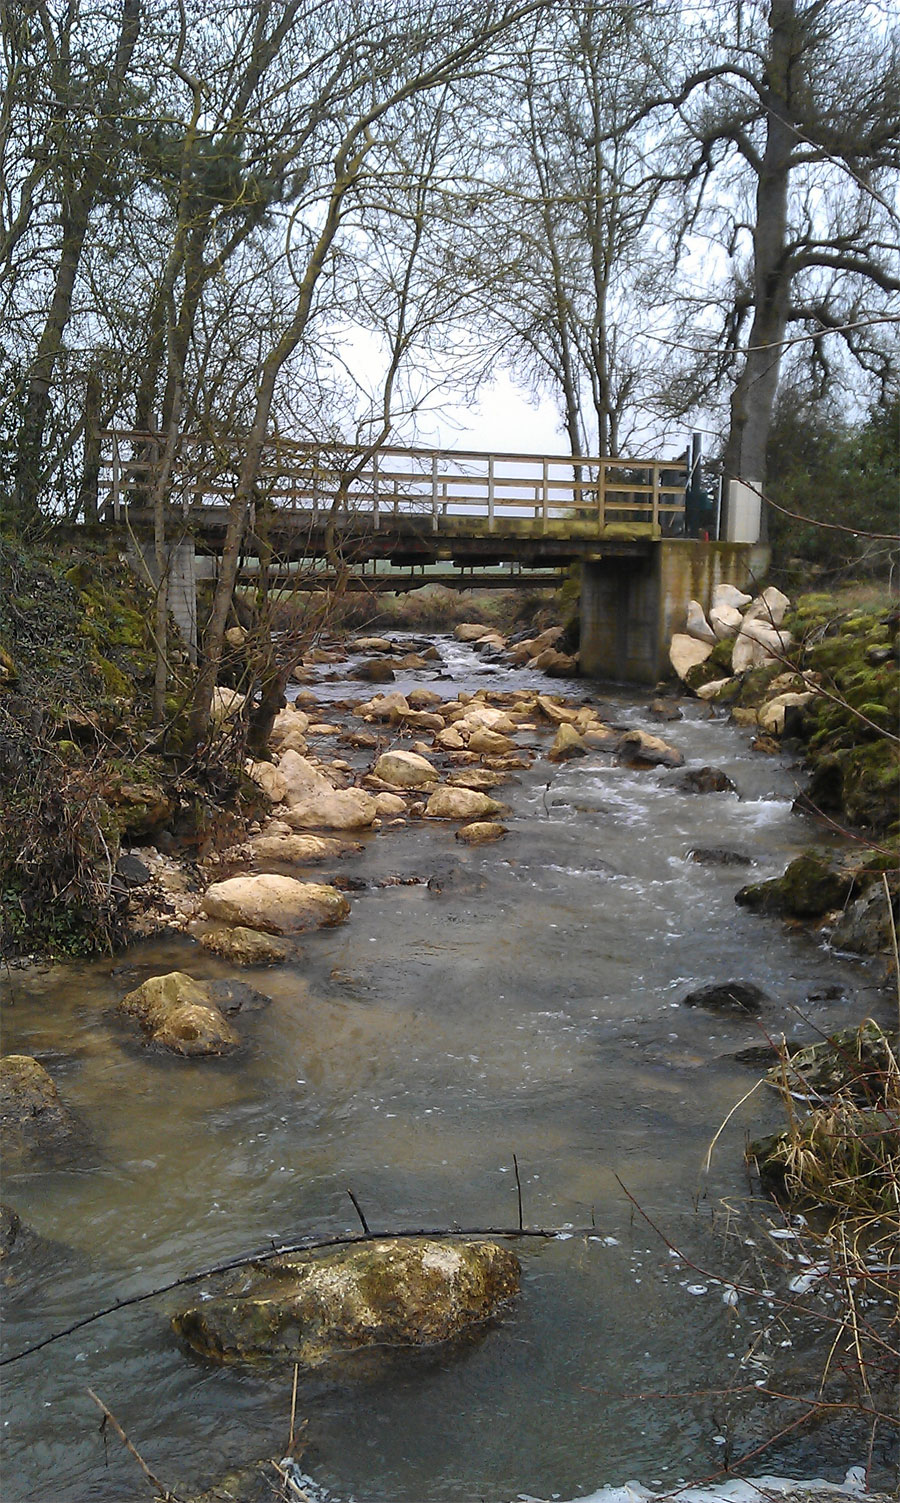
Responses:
[393,1292]
[808,888]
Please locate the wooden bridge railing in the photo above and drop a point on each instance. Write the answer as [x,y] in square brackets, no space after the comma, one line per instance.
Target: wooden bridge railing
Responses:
[309,479]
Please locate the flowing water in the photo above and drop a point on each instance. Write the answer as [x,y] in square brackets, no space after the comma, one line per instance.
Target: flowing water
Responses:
[527,1003]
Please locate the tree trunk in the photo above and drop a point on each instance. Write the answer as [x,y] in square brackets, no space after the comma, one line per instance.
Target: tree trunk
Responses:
[753,398]
[76,214]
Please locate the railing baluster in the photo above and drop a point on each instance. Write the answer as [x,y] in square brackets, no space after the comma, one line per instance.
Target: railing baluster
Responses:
[435,503]
[545,504]
[375,491]
[491,493]
[654,516]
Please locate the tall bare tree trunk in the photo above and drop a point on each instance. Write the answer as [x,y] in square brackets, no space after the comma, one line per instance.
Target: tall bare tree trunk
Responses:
[753,398]
[79,202]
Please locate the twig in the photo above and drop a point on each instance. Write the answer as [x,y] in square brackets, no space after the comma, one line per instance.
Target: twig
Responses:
[890,908]
[518,1189]
[359,1211]
[160,1488]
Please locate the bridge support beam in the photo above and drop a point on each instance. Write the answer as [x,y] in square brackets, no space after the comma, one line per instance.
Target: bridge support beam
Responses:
[631,606]
[183,575]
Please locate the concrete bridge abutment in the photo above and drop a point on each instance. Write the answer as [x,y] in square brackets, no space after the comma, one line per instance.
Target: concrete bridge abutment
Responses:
[632,605]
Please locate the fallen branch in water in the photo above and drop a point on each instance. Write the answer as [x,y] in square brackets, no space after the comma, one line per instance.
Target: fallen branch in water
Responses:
[162,1492]
[278,1250]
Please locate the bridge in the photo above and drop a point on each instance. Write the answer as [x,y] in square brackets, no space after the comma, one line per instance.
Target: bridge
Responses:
[399,518]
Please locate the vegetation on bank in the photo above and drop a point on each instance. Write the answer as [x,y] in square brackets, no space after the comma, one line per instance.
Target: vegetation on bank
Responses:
[84,771]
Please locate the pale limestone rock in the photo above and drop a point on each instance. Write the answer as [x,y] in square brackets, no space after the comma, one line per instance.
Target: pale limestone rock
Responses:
[302,779]
[370,644]
[178,1013]
[389,805]
[422,699]
[405,769]
[225,704]
[686,652]
[268,778]
[460,803]
[638,746]
[726,621]
[236,636]
[277,905]
[470,631]
[338,809]
[567,743]
[771,714]
[481,832]
[493,642]
[423,720]
[301,850]
[450,739]
[384,706]
[697,625]
[558,714]
[770,606]
[710,690]
[728,594]
[490,743]
[758,644]
[486,717]
[555,664]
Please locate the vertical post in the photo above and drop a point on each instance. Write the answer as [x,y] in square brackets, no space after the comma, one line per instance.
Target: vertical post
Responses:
[435,502]
[655,512]
[490,493]
[116,479]
[375,491]
[601,497]
[545,500]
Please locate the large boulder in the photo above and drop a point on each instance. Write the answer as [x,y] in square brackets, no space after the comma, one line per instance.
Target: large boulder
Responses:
[686,652]
[757,644]
[405,769]
[704,780]
[309,1308]
[388,707]
[478,717]
[460,803]
[277,905]
[226,704]
[470,631]
[375,671]
[338,809]
[556,713]
[178,1014]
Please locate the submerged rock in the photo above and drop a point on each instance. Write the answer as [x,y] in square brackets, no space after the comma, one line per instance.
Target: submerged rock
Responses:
[727,996]
[32,1116]
[460,803]
[481,832]
[178,1013]
[718,856]
[394,1292]
[704,780]
[244,946]
[277,905]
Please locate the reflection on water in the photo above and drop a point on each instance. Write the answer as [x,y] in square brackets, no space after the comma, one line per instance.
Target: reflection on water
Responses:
[528,1006]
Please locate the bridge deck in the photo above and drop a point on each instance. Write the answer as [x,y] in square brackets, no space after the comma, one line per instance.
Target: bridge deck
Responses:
[413,506]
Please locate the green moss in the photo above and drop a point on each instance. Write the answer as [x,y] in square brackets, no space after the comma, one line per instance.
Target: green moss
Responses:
[807,889]
[114,680]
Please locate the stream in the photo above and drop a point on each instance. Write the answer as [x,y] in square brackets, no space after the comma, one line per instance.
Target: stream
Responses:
[527,1002]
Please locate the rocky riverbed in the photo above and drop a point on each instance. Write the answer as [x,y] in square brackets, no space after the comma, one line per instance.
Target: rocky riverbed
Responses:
[546,878]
